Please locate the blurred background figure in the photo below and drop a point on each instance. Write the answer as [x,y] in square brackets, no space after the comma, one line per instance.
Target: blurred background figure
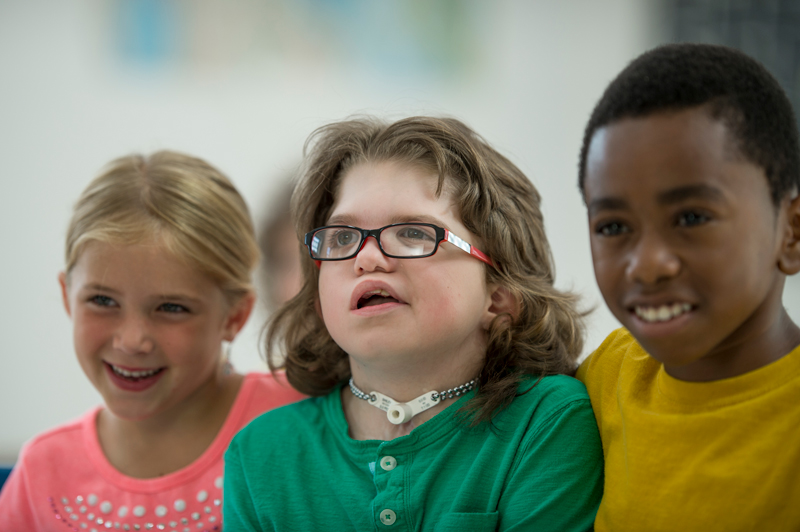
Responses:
[281,252]
[244,82]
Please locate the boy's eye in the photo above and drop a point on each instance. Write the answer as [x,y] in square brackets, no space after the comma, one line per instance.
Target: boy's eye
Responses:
[102,301]
[612,229]
[691,218]
[172,308]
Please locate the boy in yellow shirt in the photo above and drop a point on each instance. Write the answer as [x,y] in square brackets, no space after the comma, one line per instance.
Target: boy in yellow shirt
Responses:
[690,170]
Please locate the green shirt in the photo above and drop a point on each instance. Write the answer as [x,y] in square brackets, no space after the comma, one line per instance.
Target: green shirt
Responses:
[537,466]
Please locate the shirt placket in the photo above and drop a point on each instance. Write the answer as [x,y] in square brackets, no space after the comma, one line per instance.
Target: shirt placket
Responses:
[389,506]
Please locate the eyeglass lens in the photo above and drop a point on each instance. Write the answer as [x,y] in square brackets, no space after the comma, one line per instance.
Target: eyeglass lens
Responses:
[401,241]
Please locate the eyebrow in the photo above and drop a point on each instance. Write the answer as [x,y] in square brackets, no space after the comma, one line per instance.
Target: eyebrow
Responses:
[607,204]
[347,219]
[668,197]
[702,191]
[161,297]
[99,287]
[178,297]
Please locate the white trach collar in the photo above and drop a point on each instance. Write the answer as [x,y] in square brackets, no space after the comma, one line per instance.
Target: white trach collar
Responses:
[398,412]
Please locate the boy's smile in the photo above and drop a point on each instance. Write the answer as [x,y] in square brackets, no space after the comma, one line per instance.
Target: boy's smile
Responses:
[686,243]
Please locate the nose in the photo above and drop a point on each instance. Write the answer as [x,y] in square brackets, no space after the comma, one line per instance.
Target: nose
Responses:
[133,336]
[652,261]
[370,257]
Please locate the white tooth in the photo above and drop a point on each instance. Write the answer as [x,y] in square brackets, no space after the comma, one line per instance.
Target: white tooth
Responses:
[133,374]
[384,293]
[662,313]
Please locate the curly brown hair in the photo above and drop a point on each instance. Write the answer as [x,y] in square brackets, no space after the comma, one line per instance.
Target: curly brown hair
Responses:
[496,202]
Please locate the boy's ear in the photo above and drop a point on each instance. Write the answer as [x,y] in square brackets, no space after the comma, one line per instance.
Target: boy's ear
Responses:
[238,315]
[62,280]
[789,259]
[503,301]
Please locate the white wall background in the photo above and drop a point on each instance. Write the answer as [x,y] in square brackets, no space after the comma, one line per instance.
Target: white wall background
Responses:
[241,85]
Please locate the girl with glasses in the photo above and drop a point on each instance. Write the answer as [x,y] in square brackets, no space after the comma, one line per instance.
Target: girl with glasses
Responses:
[433,342]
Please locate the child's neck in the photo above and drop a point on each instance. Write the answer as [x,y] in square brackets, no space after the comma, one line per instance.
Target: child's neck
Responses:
[170,440]
[366,422]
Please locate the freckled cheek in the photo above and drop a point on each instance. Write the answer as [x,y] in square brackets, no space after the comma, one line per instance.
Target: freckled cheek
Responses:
[90,333]
[186,342]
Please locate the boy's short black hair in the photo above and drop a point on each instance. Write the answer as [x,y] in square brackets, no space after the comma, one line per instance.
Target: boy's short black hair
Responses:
[738,90]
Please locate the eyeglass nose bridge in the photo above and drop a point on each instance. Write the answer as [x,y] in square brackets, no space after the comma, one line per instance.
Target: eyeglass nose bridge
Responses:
[376,234]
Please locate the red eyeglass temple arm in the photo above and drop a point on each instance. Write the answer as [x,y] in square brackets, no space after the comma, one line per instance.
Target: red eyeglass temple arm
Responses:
[472,250]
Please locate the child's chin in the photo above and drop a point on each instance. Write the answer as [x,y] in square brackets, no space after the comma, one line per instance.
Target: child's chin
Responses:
[670,351]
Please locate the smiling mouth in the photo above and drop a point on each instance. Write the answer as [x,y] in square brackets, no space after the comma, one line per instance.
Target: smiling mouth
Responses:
[662,312]
[134,376]
[374,298]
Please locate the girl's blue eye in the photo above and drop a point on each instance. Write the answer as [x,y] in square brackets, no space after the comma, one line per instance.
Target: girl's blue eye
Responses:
[102,301]
[172,308]
[691,218]
[612,229]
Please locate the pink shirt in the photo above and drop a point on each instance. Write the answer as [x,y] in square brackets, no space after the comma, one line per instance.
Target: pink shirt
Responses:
[63,482]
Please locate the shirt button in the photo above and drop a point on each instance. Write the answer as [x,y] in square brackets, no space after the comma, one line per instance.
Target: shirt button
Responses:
[388,517]
[388,463]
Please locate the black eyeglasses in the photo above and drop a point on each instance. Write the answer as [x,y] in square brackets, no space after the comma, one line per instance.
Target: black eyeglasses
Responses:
[398,241]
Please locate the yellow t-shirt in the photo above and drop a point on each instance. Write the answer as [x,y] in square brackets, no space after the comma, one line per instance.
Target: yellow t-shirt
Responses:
[683,456]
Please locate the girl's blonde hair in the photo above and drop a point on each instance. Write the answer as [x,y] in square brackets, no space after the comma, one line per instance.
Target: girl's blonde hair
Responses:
[497,203]
[189,205]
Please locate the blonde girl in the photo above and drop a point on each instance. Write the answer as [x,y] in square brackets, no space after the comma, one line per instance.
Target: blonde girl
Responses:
[159,255]
[434,342]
